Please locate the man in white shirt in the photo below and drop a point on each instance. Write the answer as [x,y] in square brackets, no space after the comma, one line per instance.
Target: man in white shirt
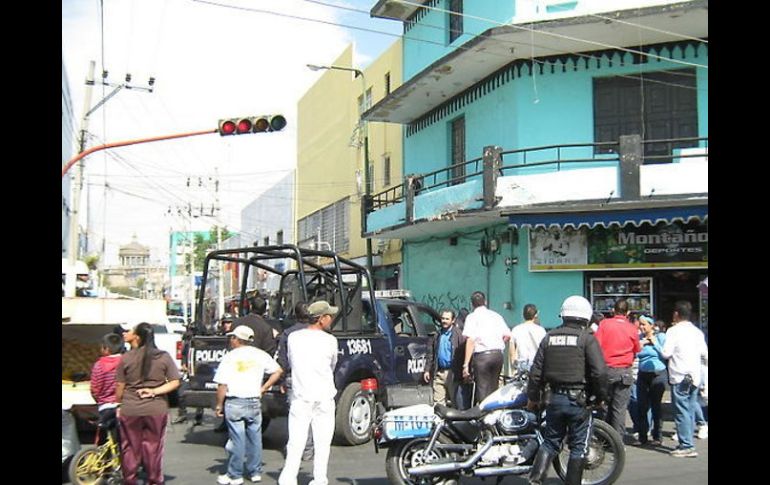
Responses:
[525,339]
[684,348]
[312,355]
[487,334]
[239,378]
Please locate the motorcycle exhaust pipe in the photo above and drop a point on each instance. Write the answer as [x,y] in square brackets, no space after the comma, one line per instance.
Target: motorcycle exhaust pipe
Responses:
[502,470]
[455,466]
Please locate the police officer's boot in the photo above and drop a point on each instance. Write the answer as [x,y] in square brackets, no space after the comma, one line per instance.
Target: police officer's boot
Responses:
[539,469]
[574,471]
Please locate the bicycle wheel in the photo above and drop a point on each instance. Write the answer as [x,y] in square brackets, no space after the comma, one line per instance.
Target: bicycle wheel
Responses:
[87,467]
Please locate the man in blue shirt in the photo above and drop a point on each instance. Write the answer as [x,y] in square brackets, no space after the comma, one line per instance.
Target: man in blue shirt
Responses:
[444,362]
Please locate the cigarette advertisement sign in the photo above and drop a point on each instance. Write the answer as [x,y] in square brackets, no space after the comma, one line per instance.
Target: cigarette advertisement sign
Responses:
[630,247]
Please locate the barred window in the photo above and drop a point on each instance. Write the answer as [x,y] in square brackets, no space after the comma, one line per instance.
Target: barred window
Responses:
[327,228]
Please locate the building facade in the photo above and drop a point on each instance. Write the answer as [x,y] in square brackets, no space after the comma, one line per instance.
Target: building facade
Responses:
[332,174]
[550,149]
[68,146]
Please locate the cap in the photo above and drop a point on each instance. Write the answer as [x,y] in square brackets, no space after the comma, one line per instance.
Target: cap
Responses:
[319,308]
[226,318]
[242,332]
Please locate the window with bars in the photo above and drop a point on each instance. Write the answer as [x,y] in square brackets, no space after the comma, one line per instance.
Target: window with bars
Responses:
[328,228]
[371,178]
[455,21]
[365,101]
[655,105]
[385,170]
[457,128]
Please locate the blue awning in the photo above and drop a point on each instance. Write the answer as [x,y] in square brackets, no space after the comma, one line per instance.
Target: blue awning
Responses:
[607,218]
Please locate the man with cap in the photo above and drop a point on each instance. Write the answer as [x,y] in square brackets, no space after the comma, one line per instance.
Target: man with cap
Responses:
[312,356]
[570,361]
[239,390]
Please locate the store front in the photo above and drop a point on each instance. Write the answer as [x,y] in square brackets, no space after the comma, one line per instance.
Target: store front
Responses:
[650,258]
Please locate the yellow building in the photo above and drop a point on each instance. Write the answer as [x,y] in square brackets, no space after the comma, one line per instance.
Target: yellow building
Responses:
[331,146]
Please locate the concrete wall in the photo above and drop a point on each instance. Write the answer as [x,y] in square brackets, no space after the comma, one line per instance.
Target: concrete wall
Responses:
[548,109]
[443,275]
[428,39]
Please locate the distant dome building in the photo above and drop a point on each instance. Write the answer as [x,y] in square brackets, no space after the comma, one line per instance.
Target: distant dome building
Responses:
[136,275]
[134,254]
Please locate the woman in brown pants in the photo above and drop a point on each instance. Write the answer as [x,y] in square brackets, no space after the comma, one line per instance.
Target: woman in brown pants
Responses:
[145,376]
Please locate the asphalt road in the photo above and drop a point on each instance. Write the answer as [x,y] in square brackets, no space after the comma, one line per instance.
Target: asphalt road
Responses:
[195,455]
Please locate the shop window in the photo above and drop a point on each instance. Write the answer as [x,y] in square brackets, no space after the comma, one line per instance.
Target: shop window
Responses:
[656,106]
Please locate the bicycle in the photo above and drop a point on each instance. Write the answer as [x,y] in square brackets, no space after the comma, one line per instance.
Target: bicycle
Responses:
[99,465]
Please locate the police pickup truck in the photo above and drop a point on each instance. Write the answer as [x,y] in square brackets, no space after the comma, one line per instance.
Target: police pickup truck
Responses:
[382,341]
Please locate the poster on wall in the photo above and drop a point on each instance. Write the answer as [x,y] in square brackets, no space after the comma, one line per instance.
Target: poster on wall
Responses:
[661,246]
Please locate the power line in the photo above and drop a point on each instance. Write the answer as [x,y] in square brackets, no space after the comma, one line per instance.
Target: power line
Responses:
[463,47]
[553,34]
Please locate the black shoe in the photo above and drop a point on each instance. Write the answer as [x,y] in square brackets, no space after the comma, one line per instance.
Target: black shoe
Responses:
[179,420]
[539,471]
[574,472]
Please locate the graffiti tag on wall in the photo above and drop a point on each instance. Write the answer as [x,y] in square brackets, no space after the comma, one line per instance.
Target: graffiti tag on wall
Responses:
[446,300]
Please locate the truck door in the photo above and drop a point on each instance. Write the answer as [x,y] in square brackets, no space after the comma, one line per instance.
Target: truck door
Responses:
[410,348]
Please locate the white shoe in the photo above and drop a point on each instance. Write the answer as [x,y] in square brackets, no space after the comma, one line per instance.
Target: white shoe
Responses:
[703,432]
[256,478]
[674,437]
[226,480]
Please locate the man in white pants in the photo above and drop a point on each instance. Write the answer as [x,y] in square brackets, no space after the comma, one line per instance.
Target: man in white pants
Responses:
[312,354]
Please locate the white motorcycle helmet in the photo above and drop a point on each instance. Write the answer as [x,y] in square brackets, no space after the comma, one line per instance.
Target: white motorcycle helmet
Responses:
[576,306]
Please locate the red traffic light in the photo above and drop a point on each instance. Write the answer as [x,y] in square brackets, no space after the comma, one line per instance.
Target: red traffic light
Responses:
[227,127]
[244,125]
[251,124]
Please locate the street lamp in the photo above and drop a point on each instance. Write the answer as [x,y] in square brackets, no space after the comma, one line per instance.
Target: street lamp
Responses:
[363,125]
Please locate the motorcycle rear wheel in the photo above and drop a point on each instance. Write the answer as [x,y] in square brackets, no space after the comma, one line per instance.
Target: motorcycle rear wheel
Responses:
[605,460]
[409,453]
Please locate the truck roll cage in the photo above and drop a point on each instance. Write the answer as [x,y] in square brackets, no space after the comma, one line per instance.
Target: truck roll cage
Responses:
[312,275]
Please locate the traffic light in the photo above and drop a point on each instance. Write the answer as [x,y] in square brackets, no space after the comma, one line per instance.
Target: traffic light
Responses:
[251,124]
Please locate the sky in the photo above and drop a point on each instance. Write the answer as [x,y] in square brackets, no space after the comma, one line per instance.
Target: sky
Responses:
[211,59]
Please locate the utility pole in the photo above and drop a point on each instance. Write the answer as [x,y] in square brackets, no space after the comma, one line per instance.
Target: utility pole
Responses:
[221,292]
[69,288]
[72,247]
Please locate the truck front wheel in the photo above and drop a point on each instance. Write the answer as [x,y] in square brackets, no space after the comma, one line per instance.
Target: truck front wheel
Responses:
[355,414]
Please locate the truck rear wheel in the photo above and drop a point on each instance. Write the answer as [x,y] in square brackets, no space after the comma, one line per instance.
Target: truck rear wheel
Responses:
[355,415]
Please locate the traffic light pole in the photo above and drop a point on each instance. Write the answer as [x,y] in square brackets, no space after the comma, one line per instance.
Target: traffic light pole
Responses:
[117,144]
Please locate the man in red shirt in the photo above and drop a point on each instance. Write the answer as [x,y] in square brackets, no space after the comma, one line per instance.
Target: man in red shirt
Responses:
[619,340]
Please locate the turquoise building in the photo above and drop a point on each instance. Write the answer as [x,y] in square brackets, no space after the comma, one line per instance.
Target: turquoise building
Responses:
[551,148]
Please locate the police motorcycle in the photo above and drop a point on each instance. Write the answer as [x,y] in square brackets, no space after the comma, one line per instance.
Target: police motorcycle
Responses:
[499,437]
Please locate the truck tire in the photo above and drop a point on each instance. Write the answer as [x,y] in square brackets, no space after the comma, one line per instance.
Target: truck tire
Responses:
[355,416]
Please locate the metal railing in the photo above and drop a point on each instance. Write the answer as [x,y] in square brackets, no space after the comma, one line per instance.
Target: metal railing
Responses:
[555,155]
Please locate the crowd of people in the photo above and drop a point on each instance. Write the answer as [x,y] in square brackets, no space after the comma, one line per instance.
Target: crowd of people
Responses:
[623,362]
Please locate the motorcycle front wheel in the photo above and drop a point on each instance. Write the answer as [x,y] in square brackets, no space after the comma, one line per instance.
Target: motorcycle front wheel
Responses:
[605,460]
[410,453]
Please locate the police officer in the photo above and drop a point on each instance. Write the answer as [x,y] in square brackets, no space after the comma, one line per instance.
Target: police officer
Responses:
[569,368]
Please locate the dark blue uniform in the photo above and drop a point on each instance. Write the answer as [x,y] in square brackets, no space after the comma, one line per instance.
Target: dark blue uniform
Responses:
[570,361]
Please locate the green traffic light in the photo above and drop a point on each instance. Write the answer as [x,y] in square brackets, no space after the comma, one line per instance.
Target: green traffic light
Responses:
[277,123]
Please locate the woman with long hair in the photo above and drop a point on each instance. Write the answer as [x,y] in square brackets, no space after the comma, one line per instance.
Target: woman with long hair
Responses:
[145,377]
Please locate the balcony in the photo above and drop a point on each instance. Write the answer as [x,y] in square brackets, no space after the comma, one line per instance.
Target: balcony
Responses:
[630,173]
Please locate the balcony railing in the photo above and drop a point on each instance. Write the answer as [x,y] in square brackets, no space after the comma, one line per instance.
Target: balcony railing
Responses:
[513,161]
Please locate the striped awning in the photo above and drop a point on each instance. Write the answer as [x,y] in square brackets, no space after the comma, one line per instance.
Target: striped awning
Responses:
[608,218]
